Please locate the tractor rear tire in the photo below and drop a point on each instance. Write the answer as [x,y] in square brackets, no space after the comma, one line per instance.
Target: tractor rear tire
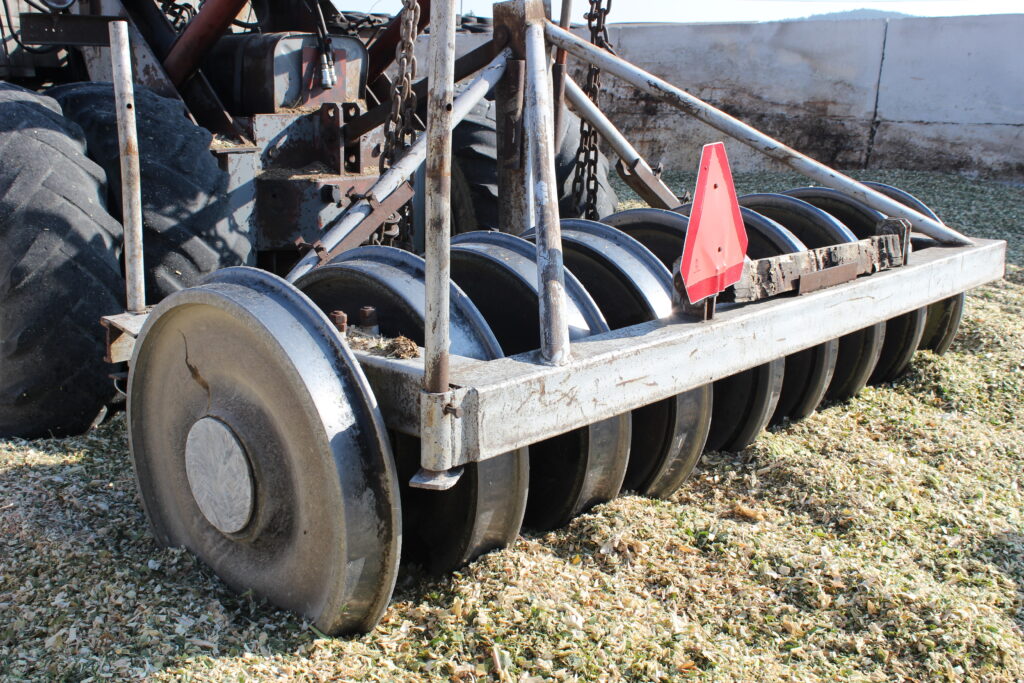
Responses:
[188,229]
[475,171]
[59,272]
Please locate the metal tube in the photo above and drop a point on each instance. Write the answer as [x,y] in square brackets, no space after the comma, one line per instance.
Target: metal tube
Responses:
[206,27]
[750,136]
[590,112]
[405,167]
[540,140]
[559,75]
[438,187]
[131,189]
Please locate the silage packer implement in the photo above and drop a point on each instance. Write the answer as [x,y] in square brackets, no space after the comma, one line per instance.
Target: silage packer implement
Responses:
[561,361]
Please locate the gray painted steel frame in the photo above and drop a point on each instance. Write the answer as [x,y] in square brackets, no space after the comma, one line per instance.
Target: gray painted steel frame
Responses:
[519,400]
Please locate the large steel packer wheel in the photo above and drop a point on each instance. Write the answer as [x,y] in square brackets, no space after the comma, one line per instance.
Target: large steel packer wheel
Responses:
[943,319]
[484,510]
[571,472]
[858,351]
[904,332]
[743,403]
[630,286]
[257,445]
[59,272]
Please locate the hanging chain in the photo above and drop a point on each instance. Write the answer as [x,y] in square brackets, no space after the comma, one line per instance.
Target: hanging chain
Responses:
[585,177]
[400,128]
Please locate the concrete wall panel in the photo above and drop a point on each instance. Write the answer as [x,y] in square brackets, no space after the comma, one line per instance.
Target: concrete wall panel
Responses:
[954,70]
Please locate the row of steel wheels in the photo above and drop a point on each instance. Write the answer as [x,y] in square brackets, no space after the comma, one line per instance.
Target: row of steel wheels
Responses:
[258,444]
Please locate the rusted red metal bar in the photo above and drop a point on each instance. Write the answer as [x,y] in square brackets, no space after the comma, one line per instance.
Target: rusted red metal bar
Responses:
[209,24]
[382,52]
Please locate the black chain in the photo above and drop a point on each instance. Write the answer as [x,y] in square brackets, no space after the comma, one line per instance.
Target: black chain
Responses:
[585,177]
[400,128]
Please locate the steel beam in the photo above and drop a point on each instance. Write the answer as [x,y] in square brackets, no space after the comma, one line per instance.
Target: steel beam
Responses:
[512,402]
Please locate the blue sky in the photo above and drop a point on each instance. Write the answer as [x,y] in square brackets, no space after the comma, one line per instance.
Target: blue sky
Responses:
[742,10]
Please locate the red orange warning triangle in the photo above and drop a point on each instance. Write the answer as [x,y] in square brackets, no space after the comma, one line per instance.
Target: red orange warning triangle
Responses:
[716,241]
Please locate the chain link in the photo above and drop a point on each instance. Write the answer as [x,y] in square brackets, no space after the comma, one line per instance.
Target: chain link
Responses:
[400,128]
[585,183]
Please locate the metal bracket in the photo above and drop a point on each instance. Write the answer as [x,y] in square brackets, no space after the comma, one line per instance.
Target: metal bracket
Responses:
[901,228]
[122,330]
[646,183]
[379,213]
[814,269]
[440,431]
[76,30]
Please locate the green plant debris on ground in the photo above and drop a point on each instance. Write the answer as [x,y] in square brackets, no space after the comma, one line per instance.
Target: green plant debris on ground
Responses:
[880,539]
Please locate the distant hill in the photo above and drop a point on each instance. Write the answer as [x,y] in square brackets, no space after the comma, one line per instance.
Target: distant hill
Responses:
[857,14]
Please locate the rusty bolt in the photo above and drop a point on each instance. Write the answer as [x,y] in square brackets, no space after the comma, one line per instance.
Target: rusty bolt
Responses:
[367,316]
[452,409]
[340,320]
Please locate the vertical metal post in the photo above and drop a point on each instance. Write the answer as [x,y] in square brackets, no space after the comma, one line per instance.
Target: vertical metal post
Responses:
[438,191]
[540,140]
[558,75]
[131,192]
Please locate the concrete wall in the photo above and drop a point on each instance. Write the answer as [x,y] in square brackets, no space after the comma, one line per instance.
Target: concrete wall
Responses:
[933,94]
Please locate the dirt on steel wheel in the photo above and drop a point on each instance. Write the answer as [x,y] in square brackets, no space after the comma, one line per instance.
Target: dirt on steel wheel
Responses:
[475,171]
[60,269]
[187,218]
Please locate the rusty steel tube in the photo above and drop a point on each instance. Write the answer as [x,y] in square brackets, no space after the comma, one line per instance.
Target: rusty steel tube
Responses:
[540,141]
[750,136]
[187,52]
[438,186]
[131,188]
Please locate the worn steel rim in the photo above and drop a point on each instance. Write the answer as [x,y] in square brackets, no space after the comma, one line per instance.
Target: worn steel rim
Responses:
[484,510]
[858,352]
[943,316]
[902,333]
[630,285]
[323,533]
[574,471]
[743,403]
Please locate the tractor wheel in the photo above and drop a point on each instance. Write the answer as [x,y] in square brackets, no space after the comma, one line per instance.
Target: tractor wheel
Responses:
[475,171]
[187,221]
[60,272]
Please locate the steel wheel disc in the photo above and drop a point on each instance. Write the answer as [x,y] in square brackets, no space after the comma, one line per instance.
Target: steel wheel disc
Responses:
[484,510]
[743,403]
[571,472]
[943,316]
[630,285]
[858,351]
[245,366]
[902,333]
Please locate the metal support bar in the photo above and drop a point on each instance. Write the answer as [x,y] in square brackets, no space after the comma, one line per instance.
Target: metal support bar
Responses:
[404,168]
[512,402]
[559,75]
[540,140]
[635,171]
[131,184]
[748,135]
[438,190]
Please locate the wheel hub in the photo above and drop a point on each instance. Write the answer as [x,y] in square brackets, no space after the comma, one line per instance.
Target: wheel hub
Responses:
[219,475]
